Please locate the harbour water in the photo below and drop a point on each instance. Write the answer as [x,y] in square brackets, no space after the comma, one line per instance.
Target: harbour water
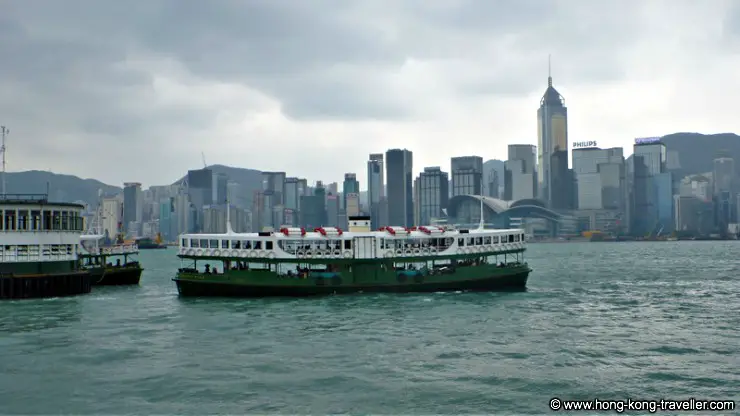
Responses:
[599,320]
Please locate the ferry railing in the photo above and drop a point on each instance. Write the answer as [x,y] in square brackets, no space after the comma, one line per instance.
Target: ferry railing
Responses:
[35,198]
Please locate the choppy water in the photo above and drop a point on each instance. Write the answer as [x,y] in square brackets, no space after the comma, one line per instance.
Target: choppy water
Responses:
[609,320]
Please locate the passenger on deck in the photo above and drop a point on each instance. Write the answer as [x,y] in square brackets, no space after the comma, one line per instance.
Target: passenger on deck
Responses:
[208,269]
[118,262]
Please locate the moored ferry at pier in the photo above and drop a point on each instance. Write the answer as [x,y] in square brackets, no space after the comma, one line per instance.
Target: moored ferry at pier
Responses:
[328,260]
[39,247]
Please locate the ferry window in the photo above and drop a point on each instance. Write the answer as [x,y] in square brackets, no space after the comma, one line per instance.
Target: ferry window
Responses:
[69,249]
[35,220]
[194,243]
[213,244]
[10,220]
[247,245]
[257,245]
[461,242]
[47,220]
[487,240]
[236,244]
[22,220]
[56,220]
[203,243]
[65,220]
[224,243]
[183,242]
[268,245]
[348,244]
[478,241]
[511,238]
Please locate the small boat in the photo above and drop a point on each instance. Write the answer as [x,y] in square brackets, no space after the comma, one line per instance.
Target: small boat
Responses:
[296,262]
[109,264]
[147,243]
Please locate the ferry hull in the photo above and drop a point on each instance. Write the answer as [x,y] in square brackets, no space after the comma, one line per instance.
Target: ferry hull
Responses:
[514,281]
[116,276]
[33,286]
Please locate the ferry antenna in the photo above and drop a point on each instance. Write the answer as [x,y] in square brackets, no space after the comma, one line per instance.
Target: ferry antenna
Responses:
[5,131]
[481,225]
[229,230]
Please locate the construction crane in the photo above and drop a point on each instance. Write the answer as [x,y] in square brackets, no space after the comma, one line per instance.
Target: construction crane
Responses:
[203,155]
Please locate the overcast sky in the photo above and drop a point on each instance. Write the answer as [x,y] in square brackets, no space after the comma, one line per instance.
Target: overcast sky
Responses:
[136,90]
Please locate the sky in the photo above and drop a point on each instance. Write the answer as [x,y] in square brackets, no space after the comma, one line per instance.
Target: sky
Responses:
[141,90]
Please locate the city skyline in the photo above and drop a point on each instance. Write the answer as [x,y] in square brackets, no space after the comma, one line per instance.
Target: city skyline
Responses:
[115,96]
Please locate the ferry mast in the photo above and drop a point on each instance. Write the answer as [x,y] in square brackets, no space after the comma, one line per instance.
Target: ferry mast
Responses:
[5,131]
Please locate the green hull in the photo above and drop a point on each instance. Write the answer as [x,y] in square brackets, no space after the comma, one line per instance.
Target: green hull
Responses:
[37,268]
[116,276]
[364,278]
[31,286]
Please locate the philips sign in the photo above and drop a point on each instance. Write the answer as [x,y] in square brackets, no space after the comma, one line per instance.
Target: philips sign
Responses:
[647,140]
[583,144]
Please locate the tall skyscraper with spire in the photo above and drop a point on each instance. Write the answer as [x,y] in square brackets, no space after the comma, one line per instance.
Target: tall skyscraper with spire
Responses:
[554,183]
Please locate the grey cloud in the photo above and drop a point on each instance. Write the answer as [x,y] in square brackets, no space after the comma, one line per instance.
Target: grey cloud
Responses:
[289,49]
[731,25]
[66,64]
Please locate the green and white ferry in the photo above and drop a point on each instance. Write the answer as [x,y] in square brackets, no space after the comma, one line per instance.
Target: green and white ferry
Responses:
[110,264]
[328,260]
[39,247]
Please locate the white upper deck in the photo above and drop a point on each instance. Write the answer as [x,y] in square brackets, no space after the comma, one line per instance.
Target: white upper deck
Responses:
[324,233]
[92,245]
[333,242]
[34,229]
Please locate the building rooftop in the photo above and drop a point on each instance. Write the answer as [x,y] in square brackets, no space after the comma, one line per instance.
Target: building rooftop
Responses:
[33,199]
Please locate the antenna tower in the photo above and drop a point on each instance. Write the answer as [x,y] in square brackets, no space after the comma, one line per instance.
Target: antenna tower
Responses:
[5,131]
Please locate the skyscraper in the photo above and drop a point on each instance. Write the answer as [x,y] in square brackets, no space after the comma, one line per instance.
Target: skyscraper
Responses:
[132,208]
[376,190]
[399,171]
[520,173]
[467,175]
[220,189]
[652,199]
[552,149]
[432,195]
[599,176]
[200,187]
[275,182]
[350,186]
[723,190]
